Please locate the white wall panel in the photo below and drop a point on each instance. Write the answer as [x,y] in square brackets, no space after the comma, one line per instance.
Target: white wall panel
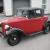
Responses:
[36,3]
[47,11]
[8,7]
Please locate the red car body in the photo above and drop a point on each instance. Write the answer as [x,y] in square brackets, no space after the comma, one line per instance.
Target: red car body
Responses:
[28,26]
[29,22]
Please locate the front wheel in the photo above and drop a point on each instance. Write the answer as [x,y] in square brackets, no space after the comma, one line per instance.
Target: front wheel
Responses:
[13,39]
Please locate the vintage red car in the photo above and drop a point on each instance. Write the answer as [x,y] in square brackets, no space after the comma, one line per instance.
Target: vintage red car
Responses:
[28,22]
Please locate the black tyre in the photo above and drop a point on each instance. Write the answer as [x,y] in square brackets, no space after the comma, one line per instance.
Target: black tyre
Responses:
[13,38]
[49,24]
[46,30]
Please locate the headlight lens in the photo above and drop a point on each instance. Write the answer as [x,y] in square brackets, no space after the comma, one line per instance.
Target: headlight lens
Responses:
[6,27]
[0,26]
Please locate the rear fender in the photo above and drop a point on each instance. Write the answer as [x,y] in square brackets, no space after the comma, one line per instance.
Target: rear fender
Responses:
[46,23]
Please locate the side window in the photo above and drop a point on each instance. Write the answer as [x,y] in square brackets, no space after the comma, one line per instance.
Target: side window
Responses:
[24,13]
[19,12]
[31,13]
[38,13]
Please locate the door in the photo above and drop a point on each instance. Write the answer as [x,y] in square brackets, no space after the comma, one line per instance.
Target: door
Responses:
[31,25]
[35,24]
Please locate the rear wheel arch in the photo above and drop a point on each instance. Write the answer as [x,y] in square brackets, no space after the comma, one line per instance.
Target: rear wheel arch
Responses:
[46,23]
[49,24]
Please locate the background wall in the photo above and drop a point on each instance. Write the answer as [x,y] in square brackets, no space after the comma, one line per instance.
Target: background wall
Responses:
[1,3]
[36,3]
[47,7]
[8,7]
[1,6]
[42,4]
[20,4]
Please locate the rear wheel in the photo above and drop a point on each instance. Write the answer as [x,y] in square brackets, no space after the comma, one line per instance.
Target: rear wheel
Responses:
[46,30]
[49,24]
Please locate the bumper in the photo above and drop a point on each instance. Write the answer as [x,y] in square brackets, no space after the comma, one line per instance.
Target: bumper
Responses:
[1,35]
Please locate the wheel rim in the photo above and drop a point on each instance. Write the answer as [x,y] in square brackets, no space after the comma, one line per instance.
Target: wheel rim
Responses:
[13,39]
[47,29]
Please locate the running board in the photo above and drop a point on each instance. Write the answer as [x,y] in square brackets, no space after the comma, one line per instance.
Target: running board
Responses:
[36,33]
[1,35]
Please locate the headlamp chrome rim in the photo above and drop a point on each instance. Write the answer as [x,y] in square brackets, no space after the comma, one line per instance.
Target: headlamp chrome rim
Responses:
[0,24]
[6,27]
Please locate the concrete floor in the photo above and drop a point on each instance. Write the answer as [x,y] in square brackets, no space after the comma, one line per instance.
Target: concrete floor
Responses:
[37,42]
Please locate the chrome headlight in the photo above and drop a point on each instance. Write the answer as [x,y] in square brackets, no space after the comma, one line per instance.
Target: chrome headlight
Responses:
[0,26]
[7,27]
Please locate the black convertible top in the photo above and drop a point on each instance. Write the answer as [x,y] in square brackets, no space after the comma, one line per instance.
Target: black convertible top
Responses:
[29,8]
[30,12]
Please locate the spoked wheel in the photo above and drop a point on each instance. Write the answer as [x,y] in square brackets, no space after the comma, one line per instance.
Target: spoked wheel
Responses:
[13,39]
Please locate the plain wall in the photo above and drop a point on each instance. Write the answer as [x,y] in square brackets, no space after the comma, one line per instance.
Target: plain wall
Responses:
[47,7]
[1,3]
[8,7]
[20,4]
[36,3]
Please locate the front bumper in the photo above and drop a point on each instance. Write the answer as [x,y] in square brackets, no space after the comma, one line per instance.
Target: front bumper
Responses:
[1,35]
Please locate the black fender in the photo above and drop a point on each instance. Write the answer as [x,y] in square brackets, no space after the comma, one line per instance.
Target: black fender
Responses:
[49,24]
[46,24]
[20,32]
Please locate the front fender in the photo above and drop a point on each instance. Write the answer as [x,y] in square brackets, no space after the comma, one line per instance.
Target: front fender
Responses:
[20,32]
